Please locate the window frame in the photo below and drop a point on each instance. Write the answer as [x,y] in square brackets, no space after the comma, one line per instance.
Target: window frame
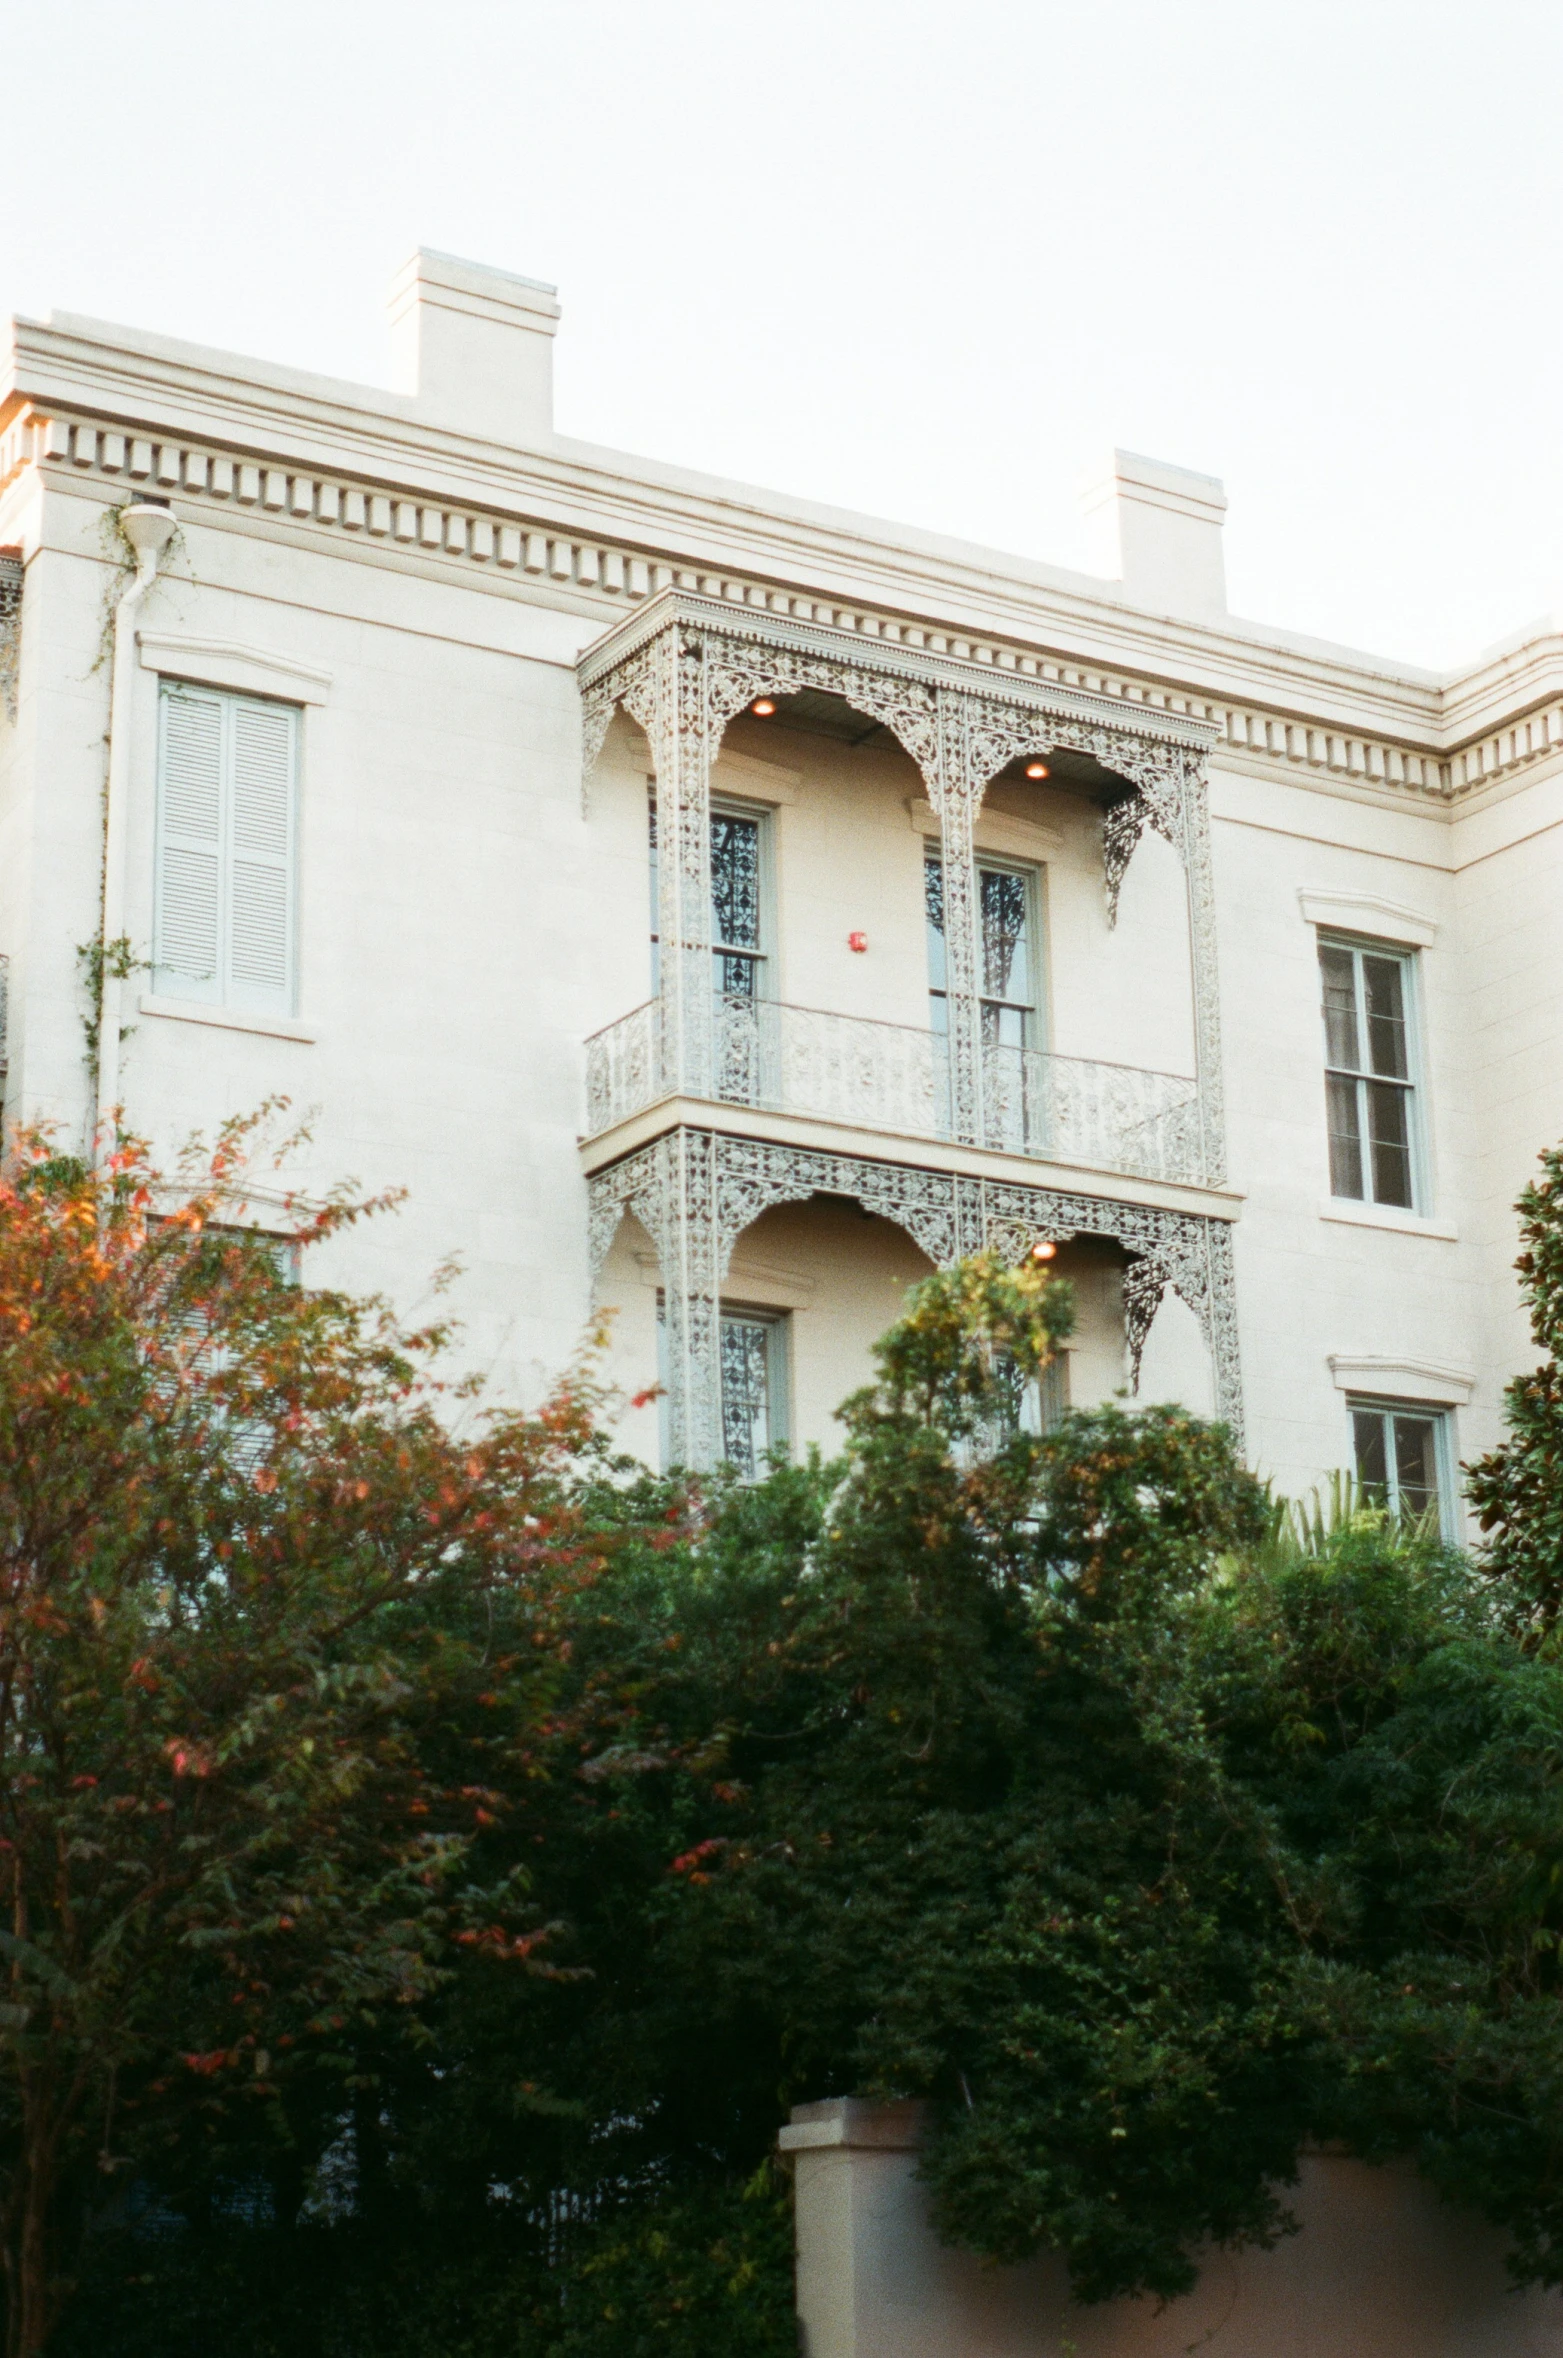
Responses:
[220,992]
[766,958]
[778,1370]
[1030,874]
[1407,957]
[1446,1460]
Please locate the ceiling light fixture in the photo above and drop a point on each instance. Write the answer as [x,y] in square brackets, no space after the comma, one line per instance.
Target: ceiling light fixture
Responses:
[762,708]
[1044,1251]
[1036,769]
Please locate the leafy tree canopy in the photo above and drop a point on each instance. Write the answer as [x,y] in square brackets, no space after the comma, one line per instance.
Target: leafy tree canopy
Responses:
[1147,1833]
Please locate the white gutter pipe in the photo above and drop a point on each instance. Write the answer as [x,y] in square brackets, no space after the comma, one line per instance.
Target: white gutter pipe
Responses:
[149,526]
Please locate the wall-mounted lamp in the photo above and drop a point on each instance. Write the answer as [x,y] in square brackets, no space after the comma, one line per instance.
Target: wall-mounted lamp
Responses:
[1045,1250]
[857,941]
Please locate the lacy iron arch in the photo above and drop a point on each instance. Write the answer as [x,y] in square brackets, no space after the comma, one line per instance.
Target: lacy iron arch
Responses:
[685,666]
[696,1191]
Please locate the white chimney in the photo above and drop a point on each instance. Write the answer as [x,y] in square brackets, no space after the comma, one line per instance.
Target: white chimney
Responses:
[1157,529]
[476,346]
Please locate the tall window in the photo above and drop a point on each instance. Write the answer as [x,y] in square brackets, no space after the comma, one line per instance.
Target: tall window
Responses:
[753,1355]
[1403,1458]
[737,902]
[227,792]
[1006,900]
[754,1387]
[1370,1086]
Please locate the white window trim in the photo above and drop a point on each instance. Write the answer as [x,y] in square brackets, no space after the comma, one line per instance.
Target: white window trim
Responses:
[1368,916]
[1410,1383]
[228,1019]
[997,832]
[1352,1214]
[768,781]
[1422,1190]
[228,663]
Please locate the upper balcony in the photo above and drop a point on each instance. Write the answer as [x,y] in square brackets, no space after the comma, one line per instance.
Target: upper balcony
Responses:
[895,1079]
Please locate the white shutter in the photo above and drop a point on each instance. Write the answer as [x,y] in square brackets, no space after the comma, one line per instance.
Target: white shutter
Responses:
[187,924]
[261,912]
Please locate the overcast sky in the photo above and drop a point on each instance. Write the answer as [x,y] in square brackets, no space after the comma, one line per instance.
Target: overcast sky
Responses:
[923,260]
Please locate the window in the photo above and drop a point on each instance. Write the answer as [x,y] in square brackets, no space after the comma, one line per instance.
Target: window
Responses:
[227,791]
[753,1354]
[1038,1403]
[738,895]
[1369,1054]
[1007,900]
[754,1387]
[1403,1458]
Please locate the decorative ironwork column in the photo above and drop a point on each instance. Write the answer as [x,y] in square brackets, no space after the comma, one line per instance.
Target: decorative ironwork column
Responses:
[671,1187]
[663,687]
[1170,795]
[956,792]
[10,631]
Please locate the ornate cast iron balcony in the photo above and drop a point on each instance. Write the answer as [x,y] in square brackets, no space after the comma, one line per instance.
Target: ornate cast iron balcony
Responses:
[891,1077]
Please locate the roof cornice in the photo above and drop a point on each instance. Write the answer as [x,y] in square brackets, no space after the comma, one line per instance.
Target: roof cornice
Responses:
[1324,707]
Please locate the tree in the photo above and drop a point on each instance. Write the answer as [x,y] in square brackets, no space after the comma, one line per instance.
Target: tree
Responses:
[1148,1833]
[1517,1490]
[235,1832]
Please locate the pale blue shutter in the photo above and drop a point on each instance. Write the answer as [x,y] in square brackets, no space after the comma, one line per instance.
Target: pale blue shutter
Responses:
[260,928]
[188,916]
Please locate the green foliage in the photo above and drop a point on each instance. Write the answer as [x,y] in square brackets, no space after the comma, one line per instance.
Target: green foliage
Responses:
[243,1561]
[703,2272]
[1517,1490]
[1146,1832]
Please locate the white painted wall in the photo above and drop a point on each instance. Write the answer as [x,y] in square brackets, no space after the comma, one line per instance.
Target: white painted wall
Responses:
[466,922]
[1380,2269]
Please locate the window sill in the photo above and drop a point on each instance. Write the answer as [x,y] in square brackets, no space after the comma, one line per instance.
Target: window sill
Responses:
[1354,1215]
[228,1019]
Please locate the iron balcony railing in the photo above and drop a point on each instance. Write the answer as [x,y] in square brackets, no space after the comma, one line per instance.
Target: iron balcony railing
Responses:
[890,1076]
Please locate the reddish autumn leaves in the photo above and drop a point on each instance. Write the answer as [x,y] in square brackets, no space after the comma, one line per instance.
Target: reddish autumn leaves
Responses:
[257,1567]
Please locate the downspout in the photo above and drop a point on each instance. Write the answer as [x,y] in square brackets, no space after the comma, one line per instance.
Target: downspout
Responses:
[148,526]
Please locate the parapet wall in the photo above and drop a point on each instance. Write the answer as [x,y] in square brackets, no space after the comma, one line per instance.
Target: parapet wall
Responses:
[1380,2269]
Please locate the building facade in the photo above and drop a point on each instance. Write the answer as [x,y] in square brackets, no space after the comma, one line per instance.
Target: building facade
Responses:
[722,910]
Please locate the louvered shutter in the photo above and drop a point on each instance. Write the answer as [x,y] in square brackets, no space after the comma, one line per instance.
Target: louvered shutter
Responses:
[188,922]
[261,914]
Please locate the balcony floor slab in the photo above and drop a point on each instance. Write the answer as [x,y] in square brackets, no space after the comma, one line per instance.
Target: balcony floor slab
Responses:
[915,1152]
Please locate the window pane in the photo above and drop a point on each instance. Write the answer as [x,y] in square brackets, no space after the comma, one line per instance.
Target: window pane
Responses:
[746,1392]
[1340,1008]
[1006,936]
[1367,1425]
[1345,1137]
[1389,1131]
[1416,1462]
[933,904]
[1003,1027]
[737,978]
[735,880]
[1383,990]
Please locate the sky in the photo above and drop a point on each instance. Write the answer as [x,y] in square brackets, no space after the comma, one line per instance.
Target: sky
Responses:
[926,261]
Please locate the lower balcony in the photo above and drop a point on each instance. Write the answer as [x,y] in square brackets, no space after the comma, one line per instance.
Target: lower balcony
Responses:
[890,1077]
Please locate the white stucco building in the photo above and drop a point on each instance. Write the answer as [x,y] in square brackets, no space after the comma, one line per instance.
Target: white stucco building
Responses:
[722,908]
